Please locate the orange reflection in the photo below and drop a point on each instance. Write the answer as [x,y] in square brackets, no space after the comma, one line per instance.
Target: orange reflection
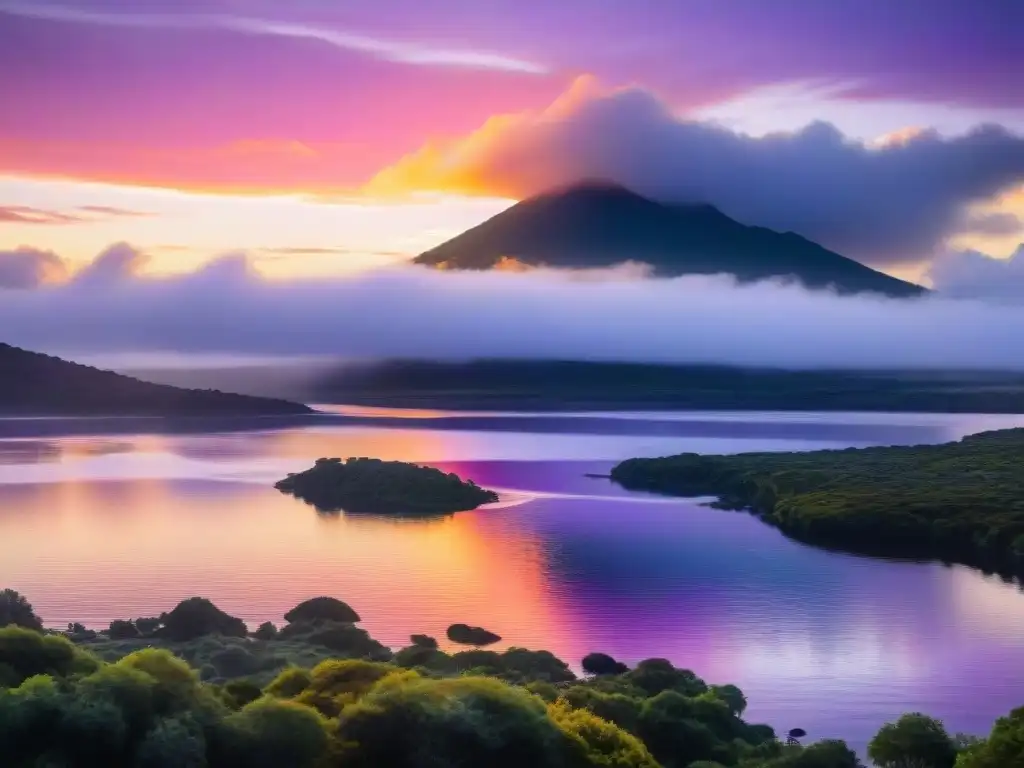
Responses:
[94,551]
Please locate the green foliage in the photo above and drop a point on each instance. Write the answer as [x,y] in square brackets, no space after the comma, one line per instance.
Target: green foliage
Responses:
[250,705]
[913,741]
[265,631]
[196,617]
[17,610]
[597,742]
[271,733]
[361,485]
[602,664]
[962,502]
[335,684]
[656,675]
[1004,747]
[25,653]
[467,635]
[322,609]
[122,630]
[465,721]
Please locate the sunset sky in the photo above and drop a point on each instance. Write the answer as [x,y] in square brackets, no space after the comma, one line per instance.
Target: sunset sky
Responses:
[321,137]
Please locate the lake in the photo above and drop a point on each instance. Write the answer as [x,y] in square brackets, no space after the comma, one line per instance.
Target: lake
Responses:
[104,519]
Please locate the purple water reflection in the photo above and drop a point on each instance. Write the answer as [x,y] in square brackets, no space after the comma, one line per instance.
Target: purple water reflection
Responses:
[96,528]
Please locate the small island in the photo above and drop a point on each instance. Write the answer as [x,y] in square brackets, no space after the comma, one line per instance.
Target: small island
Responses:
[960,502]
[372,486]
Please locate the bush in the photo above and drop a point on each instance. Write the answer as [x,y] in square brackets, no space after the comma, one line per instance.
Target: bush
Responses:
[265,631]
[122,630]
[241,692]
[147,626]
[598,742]
[348,640]
[913,739]
[334,684]
[289,683]
[270,733]
[16,610]
[467,635]
[322,609]
[25,653]
[656,675]
[465,721]
[602,664]
[196,617]
[234,661]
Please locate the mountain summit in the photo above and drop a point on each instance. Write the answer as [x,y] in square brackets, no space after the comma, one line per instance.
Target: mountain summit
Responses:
[599,224]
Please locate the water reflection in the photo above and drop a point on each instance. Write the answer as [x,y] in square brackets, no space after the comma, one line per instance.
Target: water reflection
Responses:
[93,529]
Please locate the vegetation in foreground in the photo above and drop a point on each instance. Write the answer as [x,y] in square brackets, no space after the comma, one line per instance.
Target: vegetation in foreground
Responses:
[960,502]
[83,698]
[361,485]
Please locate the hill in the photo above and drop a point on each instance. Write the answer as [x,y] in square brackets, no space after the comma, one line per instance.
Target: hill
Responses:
[543,385]
[36,384]
[596,224]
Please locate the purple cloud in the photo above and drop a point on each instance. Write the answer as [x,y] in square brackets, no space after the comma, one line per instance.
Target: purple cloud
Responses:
[27,268]
[973,275]
[226,308]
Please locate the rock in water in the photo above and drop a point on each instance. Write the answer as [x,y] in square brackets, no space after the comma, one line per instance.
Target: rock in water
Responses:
[372,486]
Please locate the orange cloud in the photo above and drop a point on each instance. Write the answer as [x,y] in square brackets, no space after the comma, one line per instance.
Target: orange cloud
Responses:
[466,165]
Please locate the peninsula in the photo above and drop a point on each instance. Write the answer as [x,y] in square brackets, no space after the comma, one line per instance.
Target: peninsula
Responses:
[33,384]
[961,502]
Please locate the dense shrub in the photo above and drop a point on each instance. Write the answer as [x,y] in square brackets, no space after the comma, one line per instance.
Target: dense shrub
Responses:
[466,721]
[17,610]
[196,617]
[467,635]
[602,664]
[25,653]
[122,630]
[322,609]
[265,631]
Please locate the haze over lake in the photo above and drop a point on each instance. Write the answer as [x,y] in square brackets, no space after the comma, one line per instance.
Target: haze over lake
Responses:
[105,525]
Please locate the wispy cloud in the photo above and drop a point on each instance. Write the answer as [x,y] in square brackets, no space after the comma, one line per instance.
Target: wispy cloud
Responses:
[421,54]
[83,214]
[25,214]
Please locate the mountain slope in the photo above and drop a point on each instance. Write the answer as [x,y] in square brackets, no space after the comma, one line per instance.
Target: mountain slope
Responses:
[599,225]
[36,384]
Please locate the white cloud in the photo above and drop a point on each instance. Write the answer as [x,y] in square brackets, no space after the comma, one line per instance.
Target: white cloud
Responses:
[226,308]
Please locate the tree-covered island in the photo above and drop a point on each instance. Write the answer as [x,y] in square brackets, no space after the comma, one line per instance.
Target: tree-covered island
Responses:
[372,486]
[960,502]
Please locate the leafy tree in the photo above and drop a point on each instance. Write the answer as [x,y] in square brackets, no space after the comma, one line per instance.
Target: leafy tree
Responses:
[17,610]
[322,609]
[122,630]
[656,675]
[602,664]
[270,733]
[25,653]
[597,742]
[465,721]
[196,617]
[424,641]
[913,741]
[265,631]
[732,696]
[1003,748]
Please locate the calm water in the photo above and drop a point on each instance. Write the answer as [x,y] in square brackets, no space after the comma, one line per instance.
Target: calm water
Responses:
[106,525]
